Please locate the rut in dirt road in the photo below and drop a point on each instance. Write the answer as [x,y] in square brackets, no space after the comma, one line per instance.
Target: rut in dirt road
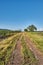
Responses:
[17,58]
[37,53]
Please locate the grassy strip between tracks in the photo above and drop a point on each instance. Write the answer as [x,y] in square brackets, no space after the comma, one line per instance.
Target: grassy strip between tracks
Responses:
[29,58]
[6,50]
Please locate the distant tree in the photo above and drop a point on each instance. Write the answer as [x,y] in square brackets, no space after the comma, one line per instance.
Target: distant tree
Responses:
[25,30]
[32,28]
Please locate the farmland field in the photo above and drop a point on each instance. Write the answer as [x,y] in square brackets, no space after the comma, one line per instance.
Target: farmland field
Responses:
[37,39]
[24,48]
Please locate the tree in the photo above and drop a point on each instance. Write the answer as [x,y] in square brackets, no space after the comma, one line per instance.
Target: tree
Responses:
[32,28]
[25,30]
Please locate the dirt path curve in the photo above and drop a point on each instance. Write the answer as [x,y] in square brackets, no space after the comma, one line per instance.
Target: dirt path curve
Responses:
[17,58]
[37,53]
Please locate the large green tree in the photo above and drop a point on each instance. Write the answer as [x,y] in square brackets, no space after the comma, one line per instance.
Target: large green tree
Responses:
[25,30]
[32,28]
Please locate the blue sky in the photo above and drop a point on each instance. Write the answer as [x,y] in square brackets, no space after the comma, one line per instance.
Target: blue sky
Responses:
[18,14]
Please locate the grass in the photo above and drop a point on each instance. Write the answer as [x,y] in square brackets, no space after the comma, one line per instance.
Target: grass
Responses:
[37,39]
[5,33]
[8,45]
[29,58]
[6,49]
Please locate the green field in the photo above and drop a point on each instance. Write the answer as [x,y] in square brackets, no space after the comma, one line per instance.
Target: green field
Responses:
[37,39]
[8,45]
[6,49]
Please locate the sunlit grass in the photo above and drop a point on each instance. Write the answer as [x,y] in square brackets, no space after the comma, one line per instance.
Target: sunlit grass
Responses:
[29,57]
[6,48]
[36,39]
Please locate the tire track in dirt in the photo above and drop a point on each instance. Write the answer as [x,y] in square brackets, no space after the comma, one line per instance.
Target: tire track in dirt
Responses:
[17,58]
[36,52]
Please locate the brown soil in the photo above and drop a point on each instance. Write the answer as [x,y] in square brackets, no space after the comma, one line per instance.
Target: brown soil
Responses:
[37,53]
[17,58]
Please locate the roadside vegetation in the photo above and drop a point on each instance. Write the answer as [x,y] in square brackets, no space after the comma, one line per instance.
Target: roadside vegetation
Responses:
[5,33]
[37,39]
[29,58]
[7,48]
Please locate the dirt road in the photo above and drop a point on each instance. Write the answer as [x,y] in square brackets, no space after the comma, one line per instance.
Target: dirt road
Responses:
[37,53]
[17,58]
